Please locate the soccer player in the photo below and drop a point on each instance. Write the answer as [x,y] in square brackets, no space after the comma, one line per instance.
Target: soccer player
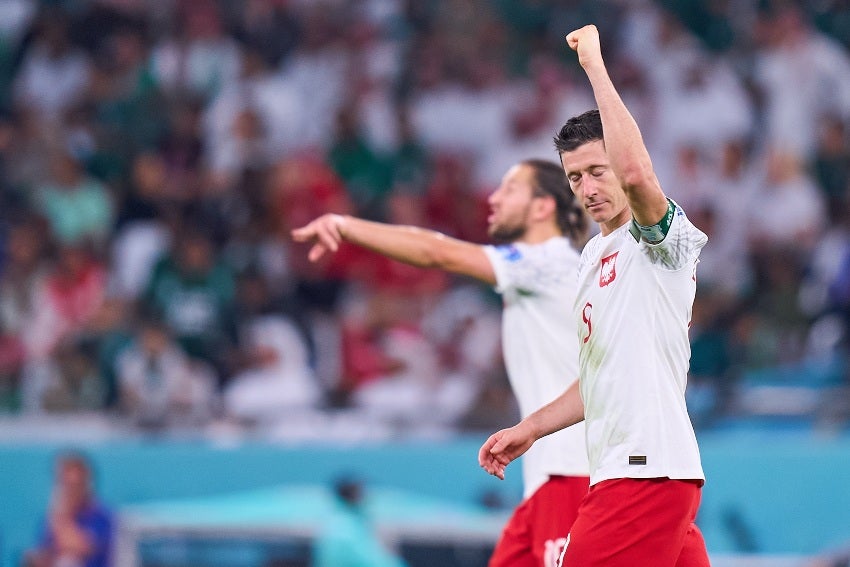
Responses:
[535,213]
[636,290]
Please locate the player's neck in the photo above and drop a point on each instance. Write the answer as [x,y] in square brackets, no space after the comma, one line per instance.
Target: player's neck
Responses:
[612,224]
[539,233]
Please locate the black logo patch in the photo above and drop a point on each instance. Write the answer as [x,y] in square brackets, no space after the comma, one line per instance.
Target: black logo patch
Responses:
[637,459]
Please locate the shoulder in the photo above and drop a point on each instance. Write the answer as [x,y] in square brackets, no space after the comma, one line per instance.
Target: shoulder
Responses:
[688,235]
[504,253]
[680,247]
[98,516]
[554,253]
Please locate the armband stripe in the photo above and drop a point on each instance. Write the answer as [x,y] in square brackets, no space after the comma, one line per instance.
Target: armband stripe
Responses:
[657,232]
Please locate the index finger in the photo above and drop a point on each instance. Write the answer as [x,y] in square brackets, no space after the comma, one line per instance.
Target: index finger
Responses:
[484,454]
[303,233]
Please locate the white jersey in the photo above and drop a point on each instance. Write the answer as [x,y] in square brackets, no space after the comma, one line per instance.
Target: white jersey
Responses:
[634,307]
[537,283]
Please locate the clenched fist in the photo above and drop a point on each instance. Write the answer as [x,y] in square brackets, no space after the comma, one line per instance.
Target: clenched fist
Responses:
[585,42]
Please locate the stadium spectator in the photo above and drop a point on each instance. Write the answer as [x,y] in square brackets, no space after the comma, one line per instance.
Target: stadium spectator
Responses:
[122,109]
[78,207]
[59,372]
[272,27]
[251,123]
[54,73]
[364,172]
[78,530]
[725,266]
[319,69]
[199,58]
[23,270]
[192,291]
[274,380]
[159,385]
[141,234]
[66,300]
[831,164]
[789,197]
[347,538]
[788,45]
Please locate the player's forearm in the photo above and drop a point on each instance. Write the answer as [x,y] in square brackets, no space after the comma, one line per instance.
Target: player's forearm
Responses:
[624,143]
[627,153]
[562,412]
[411,245]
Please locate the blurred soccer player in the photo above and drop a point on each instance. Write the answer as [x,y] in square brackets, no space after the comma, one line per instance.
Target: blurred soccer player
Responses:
[636,290]
[534,211]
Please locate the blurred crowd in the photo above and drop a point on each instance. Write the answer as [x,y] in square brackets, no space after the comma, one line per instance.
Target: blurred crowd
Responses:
[154,156]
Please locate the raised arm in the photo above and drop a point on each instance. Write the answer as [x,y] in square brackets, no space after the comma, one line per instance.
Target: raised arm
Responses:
[508,444]
[408,244]
[628,155]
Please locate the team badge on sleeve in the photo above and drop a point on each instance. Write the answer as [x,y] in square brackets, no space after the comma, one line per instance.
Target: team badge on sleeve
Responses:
[510,252]
[608,272]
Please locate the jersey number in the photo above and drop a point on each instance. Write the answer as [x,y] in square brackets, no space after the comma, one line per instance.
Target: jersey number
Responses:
[585,316]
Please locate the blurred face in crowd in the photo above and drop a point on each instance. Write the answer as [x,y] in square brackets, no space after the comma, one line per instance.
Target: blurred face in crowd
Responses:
[72,262]
[74,483]
[595,185]
[55,36]
[149,174]
[196,255]
[24,246]
[154,340]
[65,169]
[512,205]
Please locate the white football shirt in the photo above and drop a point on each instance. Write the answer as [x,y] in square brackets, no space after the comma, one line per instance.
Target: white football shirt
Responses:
[634,307]
[537,283]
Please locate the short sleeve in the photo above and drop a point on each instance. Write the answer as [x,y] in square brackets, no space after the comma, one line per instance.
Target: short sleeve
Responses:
[682,245]
[530,269]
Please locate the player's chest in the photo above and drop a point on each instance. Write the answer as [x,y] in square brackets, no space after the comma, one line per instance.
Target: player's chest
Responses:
[611,268]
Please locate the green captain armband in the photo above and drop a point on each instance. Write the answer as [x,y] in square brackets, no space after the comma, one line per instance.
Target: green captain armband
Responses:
[657,232]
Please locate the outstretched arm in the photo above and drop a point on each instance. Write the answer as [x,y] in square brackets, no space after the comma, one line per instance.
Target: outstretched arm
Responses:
[408,244]
[506,445]
[628,155]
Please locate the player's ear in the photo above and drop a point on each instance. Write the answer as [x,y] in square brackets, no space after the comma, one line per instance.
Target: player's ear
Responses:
[545,207]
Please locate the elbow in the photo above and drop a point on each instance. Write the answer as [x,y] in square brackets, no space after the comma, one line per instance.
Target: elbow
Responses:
[436,253]
[637,176]
[434,256]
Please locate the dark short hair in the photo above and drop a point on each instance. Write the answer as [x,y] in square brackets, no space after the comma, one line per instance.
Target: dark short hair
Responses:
[74,459]
[550,180]
[579,130]
[349,489]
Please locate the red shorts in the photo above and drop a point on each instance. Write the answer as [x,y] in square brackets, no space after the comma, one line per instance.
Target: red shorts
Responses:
[538,528]
[630,522]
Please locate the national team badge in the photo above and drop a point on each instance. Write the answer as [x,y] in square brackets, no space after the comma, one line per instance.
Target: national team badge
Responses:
[609,269]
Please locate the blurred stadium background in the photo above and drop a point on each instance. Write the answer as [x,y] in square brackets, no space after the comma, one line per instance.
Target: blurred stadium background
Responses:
[154,155]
